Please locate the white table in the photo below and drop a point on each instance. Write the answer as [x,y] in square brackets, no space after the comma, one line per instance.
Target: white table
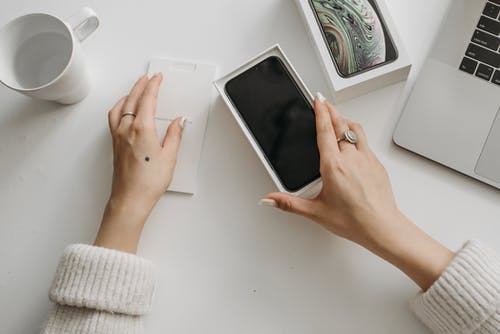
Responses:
[225,265]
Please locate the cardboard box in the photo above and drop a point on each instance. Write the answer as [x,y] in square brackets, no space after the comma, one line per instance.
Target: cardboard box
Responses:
[314,187]
[344,88]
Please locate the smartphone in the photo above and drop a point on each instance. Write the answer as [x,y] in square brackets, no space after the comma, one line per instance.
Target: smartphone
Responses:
[355,33]
[280,119]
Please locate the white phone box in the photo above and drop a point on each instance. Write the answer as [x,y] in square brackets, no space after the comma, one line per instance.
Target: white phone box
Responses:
[347,88]
[186,90]
[313,188]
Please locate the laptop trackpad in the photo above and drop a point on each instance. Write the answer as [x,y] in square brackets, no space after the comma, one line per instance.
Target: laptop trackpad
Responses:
[488,165]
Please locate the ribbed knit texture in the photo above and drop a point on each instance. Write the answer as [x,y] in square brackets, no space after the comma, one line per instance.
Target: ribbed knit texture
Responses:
[466,298]
[79,320]
[99,290]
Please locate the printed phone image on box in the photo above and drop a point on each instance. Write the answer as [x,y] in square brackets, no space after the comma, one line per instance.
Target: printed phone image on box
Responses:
[357,44]
[355,33]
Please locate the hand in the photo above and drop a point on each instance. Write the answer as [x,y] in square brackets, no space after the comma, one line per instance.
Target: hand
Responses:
[143,168]
[357,202]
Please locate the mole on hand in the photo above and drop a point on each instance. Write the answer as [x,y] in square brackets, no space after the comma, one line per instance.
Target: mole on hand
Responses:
[147,158]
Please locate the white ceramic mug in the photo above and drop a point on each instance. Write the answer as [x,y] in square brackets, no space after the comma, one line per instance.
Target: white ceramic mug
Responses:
[41,56]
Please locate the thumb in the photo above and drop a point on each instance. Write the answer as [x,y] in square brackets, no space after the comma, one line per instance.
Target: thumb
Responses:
[173,137]
[289,203]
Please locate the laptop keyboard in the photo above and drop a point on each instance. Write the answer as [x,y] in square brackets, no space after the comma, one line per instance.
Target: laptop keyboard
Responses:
[482,57]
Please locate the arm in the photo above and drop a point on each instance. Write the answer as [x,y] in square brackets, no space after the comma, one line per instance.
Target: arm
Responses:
[357,203]
[106,288]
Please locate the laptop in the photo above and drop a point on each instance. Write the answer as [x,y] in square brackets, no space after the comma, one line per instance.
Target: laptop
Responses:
[453,113]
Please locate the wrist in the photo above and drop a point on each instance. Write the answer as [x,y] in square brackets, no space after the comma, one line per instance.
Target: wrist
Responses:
[131,211]
[406,246]
[122,224]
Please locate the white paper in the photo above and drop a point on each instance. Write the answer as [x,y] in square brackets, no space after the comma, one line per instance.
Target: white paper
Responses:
[187,90]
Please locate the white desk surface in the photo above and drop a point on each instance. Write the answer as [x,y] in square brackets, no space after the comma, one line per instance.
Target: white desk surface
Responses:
[225,265]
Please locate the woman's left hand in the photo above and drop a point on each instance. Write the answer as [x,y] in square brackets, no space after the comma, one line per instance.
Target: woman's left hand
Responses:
[143,168]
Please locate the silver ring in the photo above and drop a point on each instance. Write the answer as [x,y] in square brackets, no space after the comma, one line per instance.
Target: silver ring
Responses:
[349,136]
[129,114]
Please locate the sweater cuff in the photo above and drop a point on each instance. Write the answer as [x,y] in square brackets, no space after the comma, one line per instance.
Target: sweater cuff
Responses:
[68,319]
[466,294]
[103,279]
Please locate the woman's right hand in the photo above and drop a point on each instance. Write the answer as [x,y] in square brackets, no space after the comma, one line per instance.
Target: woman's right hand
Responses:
[357,202]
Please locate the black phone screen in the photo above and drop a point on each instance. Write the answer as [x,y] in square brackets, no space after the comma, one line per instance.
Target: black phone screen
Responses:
[355,33]
[280,119]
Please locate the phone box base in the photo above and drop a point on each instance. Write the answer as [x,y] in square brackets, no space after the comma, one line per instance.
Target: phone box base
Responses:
[347,88]
[313,188]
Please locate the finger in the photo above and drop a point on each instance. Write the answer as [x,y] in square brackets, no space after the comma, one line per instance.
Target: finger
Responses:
[173,137]
[289,203]
[130,105]
[115,114]
[147,104]
[362,143]
[327,142]
[340,125]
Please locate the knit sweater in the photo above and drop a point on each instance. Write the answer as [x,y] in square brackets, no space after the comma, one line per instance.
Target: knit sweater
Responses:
[98,290]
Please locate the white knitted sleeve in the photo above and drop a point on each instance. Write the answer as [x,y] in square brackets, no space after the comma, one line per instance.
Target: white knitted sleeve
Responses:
[99,290]
[466,298]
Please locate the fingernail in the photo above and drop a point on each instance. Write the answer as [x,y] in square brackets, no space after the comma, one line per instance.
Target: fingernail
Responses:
[182,123]
[320,97]
[157,74]
[268,202]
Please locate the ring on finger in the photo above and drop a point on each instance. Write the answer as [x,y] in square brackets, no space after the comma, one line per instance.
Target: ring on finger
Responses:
[348,136]
[129,114]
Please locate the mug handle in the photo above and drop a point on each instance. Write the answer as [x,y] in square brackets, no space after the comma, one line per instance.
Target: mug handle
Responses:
[84,23]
